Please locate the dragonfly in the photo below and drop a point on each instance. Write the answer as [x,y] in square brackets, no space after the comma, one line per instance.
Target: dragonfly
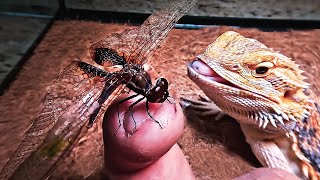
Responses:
[77,95]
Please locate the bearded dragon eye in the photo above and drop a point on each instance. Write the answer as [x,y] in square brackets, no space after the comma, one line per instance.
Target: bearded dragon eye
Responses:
[261,70]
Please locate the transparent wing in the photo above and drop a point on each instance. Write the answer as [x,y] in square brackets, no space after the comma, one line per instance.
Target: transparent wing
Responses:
[71,101]
[137,44]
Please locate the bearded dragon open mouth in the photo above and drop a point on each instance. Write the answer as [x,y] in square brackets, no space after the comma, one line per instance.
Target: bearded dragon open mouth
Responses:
[201,72]
[203,69]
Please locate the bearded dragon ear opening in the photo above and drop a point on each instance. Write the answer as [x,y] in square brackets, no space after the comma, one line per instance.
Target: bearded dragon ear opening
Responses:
[287,94]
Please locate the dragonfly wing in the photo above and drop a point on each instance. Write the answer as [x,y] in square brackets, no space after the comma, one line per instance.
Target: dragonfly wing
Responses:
[69,104]
[137,45]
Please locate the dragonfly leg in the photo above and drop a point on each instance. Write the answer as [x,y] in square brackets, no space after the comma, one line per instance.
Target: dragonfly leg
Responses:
[131,112]
[170,101]
[121,101]
[148,112]
[93,117]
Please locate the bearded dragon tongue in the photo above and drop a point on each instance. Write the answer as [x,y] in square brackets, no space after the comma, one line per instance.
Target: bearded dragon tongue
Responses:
[202,68]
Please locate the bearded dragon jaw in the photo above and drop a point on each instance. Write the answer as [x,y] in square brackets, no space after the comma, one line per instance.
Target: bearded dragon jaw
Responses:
[266,93]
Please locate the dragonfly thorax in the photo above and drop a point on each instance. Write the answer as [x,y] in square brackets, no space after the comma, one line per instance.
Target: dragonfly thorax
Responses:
[141,83]
[140,80]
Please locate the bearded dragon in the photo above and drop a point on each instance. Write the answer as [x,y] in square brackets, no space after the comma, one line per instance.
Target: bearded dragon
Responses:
[266,92]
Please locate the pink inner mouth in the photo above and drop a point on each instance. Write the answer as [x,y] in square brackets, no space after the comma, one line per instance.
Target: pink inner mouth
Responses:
[202,68]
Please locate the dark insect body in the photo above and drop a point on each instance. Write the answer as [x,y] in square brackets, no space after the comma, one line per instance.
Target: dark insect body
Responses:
[133,76]
[77,95]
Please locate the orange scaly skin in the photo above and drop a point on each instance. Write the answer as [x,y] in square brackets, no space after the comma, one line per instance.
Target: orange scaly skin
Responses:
[266,93]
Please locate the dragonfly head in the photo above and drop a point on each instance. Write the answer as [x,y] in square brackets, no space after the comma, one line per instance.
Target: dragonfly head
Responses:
[159,92]
[141,83]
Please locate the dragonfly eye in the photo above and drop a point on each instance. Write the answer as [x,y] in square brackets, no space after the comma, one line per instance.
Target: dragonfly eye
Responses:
[162,83]
[159,91]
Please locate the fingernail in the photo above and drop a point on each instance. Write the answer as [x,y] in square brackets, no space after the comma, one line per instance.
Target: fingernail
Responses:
[139,116]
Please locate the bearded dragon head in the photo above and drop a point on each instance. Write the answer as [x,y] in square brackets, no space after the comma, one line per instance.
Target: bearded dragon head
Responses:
[252,83]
